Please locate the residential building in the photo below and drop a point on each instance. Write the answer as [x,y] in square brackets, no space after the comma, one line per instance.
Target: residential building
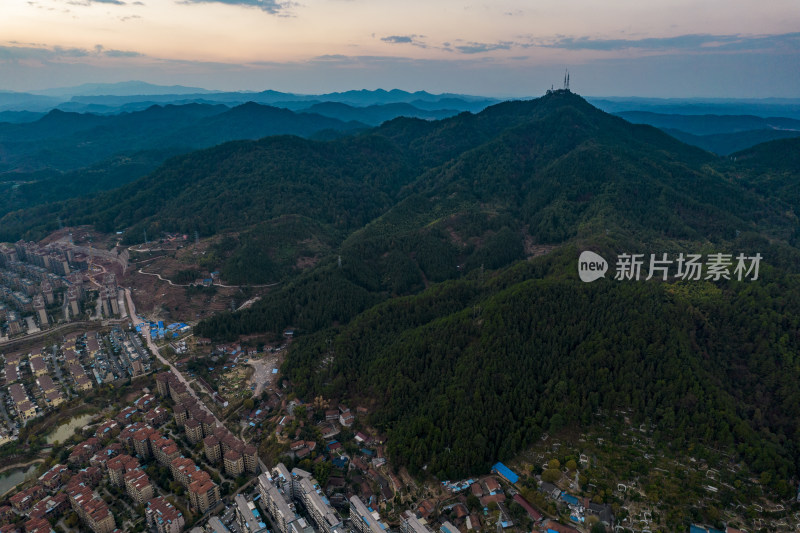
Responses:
[276,503]
[321,513]
[156,416]
[363,519]
[165,450]
[52,479]
[409,523]
[38,365]
[233,462]
[25,408]
[91,509]
[203,495]
[194,430]
[212,449]
[138,486]
[163,516]
[119,466]
[248,517]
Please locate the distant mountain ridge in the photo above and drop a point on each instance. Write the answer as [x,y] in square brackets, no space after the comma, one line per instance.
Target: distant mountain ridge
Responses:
[710,124]
[56,156]
[112,98]
[721,134]
[124,88]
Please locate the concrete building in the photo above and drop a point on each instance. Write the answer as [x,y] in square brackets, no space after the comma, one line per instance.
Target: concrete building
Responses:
[165,450]
[120,465]
[72,299]
[203,495]
[38,365]
[409,523]
[142,441]
[250,455]
[138,486]
[364,520]
[82,382]
[14,323]
[182,470]
[41,313]
[91,509]
[248,517]
[47,292]
[179,411]
[163,516]
[214,525]
[212,449]
[233,463]
[46,383]
[276,503]
[25,408]
[194,430]
[54,398]
[321,513]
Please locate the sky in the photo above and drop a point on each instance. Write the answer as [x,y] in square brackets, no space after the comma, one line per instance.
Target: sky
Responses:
[652,48]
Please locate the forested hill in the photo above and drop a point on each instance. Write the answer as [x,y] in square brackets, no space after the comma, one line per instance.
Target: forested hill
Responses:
[67,141]
[465,360]
[484,368]
[68,155]
[540,173]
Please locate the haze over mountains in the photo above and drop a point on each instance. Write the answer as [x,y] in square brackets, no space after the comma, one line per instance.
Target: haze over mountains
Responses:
[739,124]
[128,96]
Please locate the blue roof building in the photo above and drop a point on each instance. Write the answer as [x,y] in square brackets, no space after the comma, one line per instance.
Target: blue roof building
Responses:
[569,498]
[505,472]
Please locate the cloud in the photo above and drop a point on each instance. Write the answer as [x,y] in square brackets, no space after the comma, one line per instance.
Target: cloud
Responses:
[58,54]
[697,42]
[270,6]
[90,2]
[480,48]
[337,58]
[121,53]
[405,39]
[397,39]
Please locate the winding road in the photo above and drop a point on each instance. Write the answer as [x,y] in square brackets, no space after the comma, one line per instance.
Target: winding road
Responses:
[140,271]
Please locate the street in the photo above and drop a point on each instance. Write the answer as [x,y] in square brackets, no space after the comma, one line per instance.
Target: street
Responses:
[156,353]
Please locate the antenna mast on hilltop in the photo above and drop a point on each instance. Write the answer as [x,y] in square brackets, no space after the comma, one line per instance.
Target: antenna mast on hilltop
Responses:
[566,79]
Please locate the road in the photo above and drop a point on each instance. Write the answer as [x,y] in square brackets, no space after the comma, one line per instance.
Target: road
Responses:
[217,284]
[140,271]
[56,367]
[28,338]
[154,349]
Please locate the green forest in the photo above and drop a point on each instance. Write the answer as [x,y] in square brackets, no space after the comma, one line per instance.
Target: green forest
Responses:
[482,369]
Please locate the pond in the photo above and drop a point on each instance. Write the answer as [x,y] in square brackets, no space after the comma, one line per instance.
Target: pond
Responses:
[66,430]
[11,478]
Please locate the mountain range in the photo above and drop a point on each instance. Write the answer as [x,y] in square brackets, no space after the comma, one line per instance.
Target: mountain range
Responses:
[720,134]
